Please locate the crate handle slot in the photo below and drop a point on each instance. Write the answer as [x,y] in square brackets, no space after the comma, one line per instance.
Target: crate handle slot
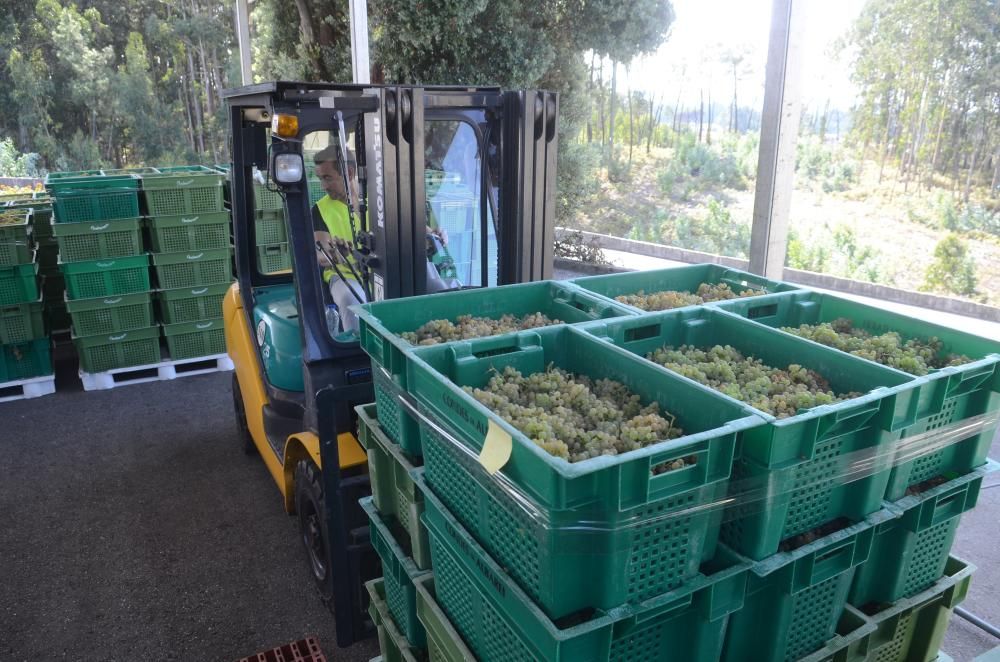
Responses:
[766,310]
[201,291]
[189,220]
[947,506]
[99,228]
[196,256]
[205,325]
[184,182]
[832,562]
[111,302]
[642,332]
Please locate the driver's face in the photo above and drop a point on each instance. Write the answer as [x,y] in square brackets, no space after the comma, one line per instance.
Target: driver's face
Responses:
[331,180]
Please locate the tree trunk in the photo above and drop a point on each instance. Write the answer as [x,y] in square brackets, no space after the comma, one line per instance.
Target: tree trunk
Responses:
[187,109]
[995,184]
[590,95]
[199,130]
[708,131]
[822,122]
[600,101]
[956,135]
[653,122]
[628,91]
[975,158]
[675,124]
[736,108]
[611,111]
[701,115]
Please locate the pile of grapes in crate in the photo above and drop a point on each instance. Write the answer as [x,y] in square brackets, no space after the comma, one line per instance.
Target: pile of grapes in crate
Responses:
[774,473]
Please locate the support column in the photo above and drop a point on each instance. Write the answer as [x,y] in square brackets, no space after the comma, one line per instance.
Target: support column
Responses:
[243,39]
[360,66]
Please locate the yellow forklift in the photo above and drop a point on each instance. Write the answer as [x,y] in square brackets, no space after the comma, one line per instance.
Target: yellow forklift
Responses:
[475,166]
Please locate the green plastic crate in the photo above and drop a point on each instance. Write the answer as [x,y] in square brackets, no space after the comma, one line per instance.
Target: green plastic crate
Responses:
[174,234]
[849,643]
[391,642]
[40,220]
[110,315]
[683,279]
[11,198]
[26,360]
[106,278]
[910,552]
[105,352]
[189,340]
[272,259]
[444,643]
[193,269]
[15,253]
[794,599]
[790,475]
[190,304]
[399,571]
[94,198]
[93,178]
[183,190]
[270,227]
[395,419]
[393,492]
[949,395]
[19,283]
[499,621]
[139,170]
[266,198]
[913,628]
[643,534]
[21,322]
[14,227]
[98,240]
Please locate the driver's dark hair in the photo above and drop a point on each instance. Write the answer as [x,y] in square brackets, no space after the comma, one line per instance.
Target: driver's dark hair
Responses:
[329,154]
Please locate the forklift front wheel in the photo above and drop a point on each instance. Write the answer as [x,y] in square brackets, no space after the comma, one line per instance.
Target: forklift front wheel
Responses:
[311,509]
[243,430]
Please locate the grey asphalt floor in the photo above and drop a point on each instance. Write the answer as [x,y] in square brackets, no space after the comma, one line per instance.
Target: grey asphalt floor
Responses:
[133,528]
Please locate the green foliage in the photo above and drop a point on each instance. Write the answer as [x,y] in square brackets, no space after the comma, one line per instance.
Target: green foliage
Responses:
[725,163]
[577,181]
[715,232]
[806,255]
[838,253]
[953,270]
[15,164]
[829,166]
[860,261]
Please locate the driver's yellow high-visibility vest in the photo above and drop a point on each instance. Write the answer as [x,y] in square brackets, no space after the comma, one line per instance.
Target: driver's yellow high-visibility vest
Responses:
[337,220]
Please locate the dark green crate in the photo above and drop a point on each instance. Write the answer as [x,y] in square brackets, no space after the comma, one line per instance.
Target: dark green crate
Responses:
[399,570]
[189,304]
[499,621]
[794,599]
[105,352]
[21,322]
[19,283]
[106,278]
[682,279]
[95,178]
[140,171]
[183,190]
[650,536]
[14,226]
[26,360]
[272,259]
[265,197]
[174,234]
[444,643]
[193,268]
[849,643]
[84,205]
[790,475]
[393,492]
[914,628]
[910,552]
[950,395]
[383,322]
[270,227]
[391,642]
[109,315]
[15,253]
[189,340]
[98,240]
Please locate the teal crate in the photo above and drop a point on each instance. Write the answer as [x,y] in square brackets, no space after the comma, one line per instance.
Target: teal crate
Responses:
[399,571]
[193,268]
[848,644]
[391,642]
[393,491]
[21,322]
[139,170]
[106,278]
[499,621]
[94,198]
[643,534]
[193,232]
[109,315]
[444,643]
[189,340]
[19,283]
[26,360]
[270,227]
[950,395]
[910,551]
[190,304]
[265,197]
[97,240]
[273,259]
[682,279]
[913,628]
[183,190]
[382,323]
[794,599]
[105,352]
[395,417]
[792,474]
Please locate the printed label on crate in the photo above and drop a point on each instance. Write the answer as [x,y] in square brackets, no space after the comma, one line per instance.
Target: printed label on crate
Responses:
[459,408]
[496,449]
[466,548]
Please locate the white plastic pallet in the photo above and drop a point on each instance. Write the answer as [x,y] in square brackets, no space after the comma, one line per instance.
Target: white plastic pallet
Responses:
[156,372]
[25,389]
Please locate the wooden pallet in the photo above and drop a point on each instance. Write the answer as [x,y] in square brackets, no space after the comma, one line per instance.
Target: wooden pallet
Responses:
[156,372]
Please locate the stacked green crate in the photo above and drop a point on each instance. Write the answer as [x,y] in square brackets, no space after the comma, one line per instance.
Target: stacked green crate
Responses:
[97,232]
[270,230]
[189,238]
[24,345]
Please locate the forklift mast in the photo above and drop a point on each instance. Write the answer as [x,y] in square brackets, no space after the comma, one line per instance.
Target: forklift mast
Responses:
[505,142]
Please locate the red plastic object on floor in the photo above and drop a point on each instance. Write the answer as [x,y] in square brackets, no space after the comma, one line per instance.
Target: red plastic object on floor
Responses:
[303,650]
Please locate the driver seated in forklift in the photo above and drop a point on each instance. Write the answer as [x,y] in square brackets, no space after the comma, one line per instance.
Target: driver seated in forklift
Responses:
[334,237]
